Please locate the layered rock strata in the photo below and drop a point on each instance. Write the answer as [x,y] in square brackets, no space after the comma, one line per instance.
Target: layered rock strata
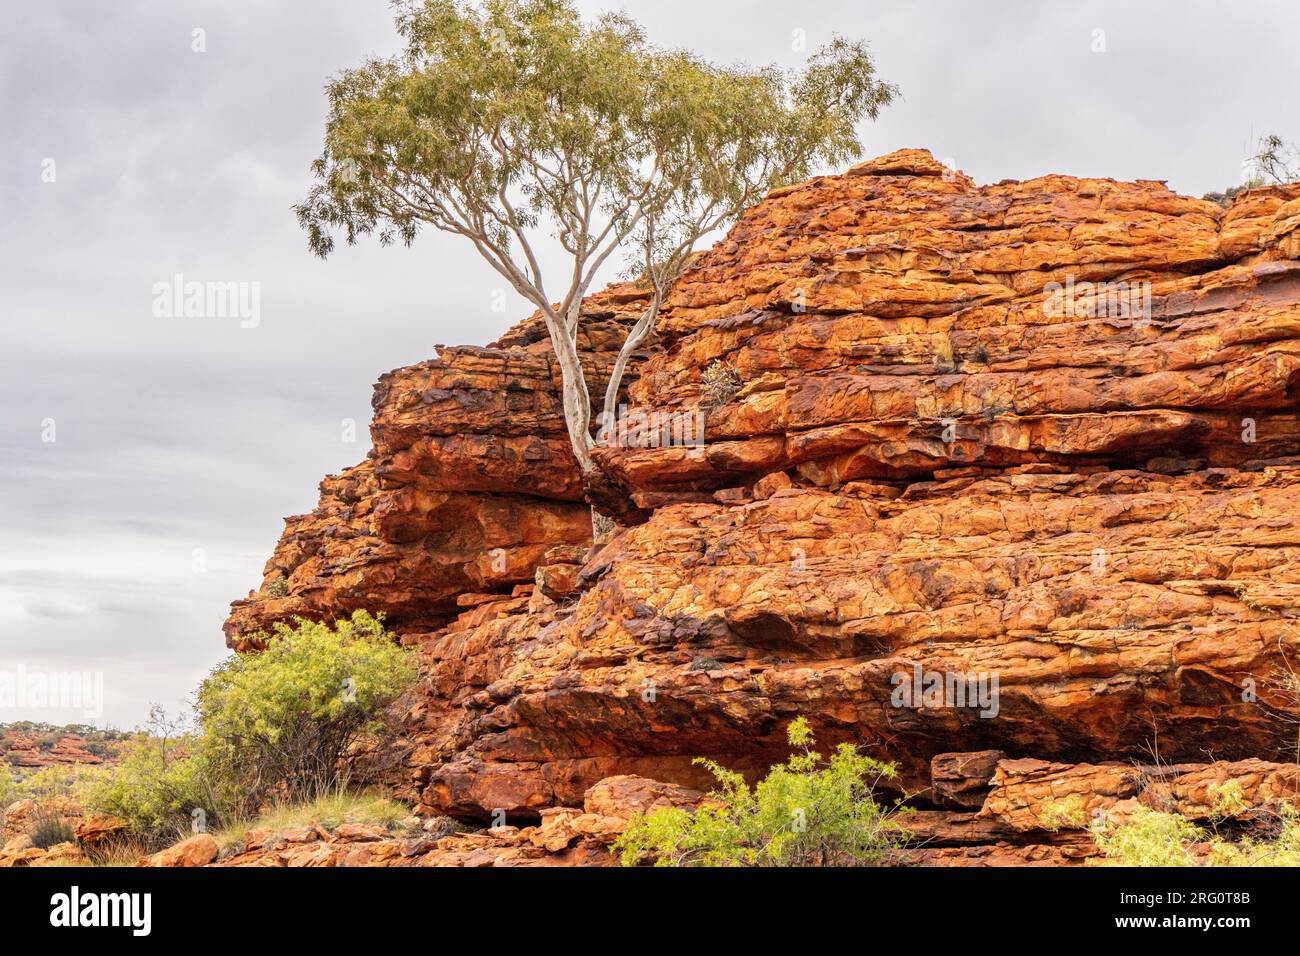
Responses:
[1032,443]
[469,482]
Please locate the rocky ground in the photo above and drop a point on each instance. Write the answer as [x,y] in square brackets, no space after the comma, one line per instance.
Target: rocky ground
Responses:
[935,456]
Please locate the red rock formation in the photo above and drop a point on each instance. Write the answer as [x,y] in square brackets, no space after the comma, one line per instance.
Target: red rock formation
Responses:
[469,483]
[566,836]
[198,850]
[867,313]
[1012,813]
[934,462]
[26,751]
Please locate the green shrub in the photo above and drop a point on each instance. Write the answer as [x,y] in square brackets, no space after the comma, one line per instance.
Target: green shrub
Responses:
[156,786]
[1150,838]
[10,789]
[1156,838]
[275,725]
[1064,813]
[804,813]
[280,722]
[66,780]
[1282,848]
[49,828]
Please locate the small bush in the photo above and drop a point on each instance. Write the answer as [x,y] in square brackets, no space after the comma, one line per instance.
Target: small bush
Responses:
[804,813]
[280,723]
[10,789]
[278,588]
[718,383]
[156,785]
[275,725]
[1156,838]
[49,828]
[1150,838]
[69,780]
[1064,813]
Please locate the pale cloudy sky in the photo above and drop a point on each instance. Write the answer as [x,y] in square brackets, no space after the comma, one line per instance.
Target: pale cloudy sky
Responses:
[179,440]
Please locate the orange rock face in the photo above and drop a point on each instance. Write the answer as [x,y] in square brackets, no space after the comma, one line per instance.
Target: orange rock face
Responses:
[565,836]
[25,751]
[198,850]
[898,320]
[1004,488]
[469,483]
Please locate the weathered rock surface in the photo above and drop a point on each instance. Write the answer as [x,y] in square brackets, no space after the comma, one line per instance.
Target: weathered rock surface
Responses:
[708,628]
[865,314]
[469,483]
[198,850]
[935,462]
[1032,813]
[26,751]
[565,836]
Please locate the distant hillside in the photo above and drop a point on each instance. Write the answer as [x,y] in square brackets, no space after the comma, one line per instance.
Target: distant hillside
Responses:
[27,743]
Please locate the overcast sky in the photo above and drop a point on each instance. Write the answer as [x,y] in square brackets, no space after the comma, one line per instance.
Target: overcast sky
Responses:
[179,443]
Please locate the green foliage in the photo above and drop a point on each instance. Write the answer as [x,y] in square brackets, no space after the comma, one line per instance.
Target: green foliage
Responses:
[49,828]
[155,786]
[806,812]
[516,121]
[1282,848]
[522,93]
[281,721]
[1155,838]
[1229,799]
[70,780]
[10,789]
[1069,812]
[1150,838]
[272,725]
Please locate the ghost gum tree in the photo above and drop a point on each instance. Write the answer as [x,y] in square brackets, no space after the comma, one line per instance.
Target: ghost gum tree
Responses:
[515,123]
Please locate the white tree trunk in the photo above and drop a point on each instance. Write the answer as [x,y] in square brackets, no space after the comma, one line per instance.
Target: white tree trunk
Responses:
[643,327]
[574,395]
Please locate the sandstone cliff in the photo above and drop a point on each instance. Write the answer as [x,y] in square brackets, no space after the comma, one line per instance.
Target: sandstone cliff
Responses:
[1044,431]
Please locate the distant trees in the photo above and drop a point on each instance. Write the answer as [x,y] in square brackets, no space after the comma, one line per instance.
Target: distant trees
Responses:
[516,123]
